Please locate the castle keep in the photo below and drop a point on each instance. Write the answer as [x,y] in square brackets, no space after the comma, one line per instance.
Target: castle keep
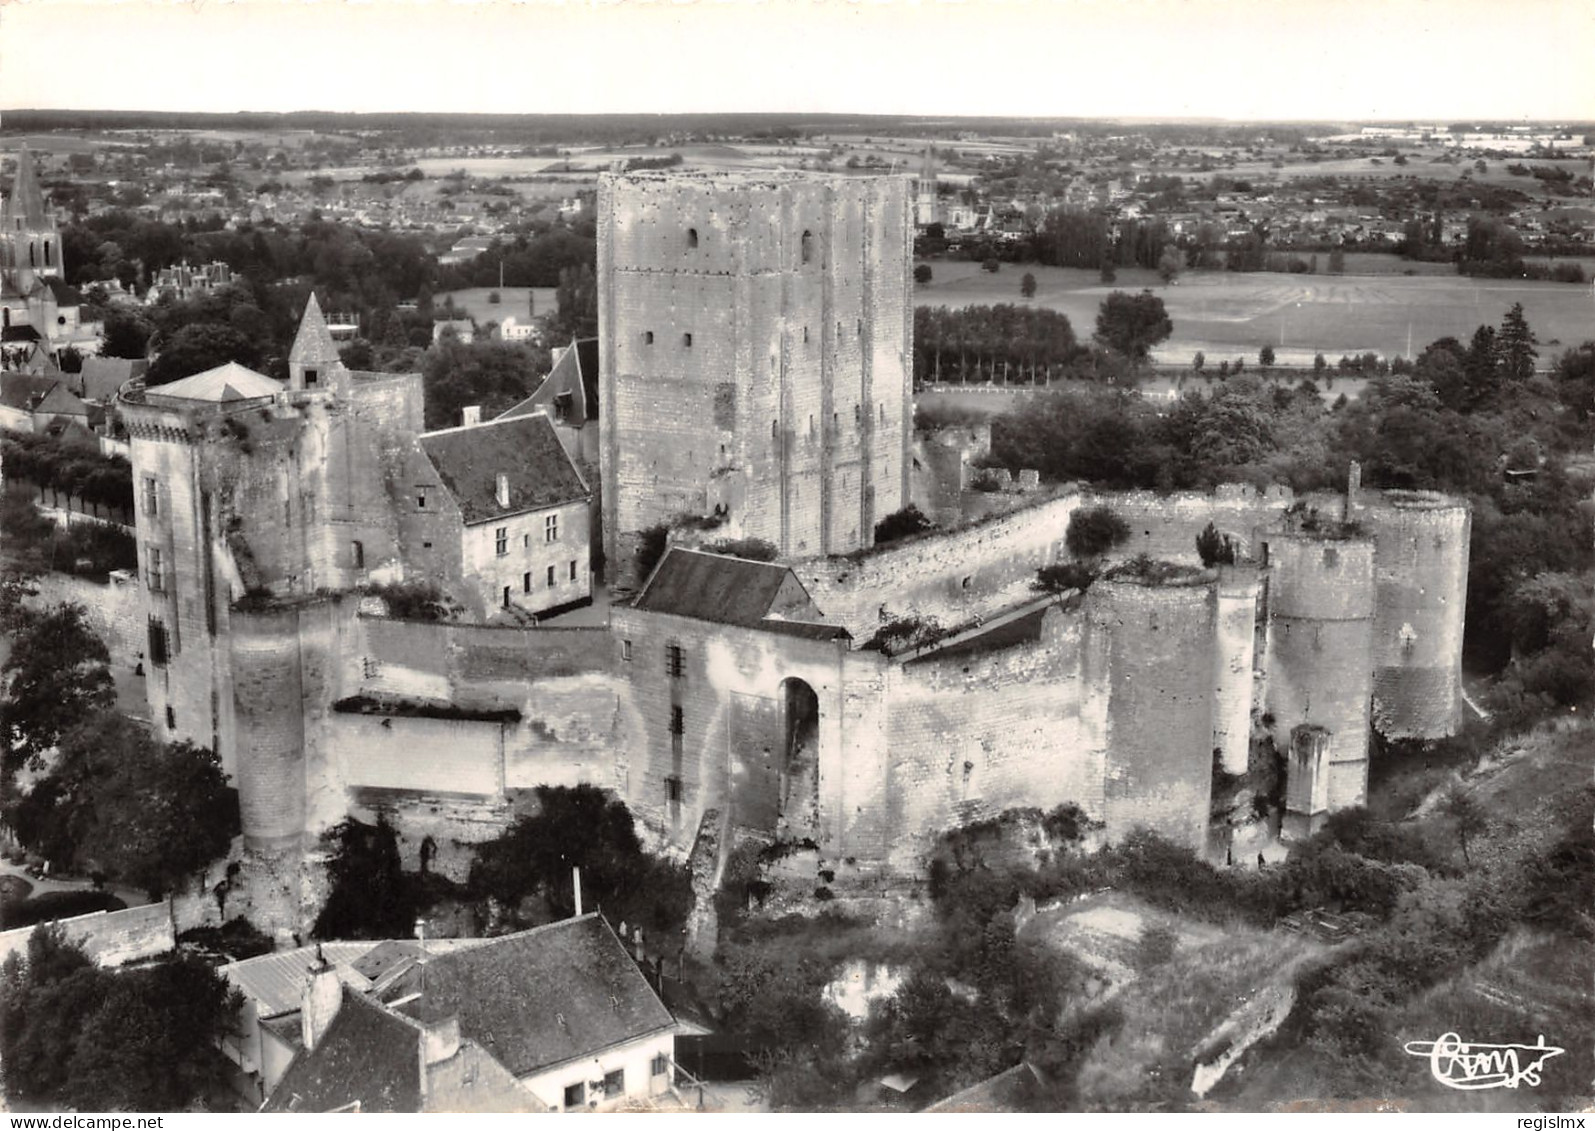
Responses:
[756,356]
[751,377]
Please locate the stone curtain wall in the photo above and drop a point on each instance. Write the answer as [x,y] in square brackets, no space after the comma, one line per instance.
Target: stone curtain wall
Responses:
[111,938]
[113,610]
[977,571]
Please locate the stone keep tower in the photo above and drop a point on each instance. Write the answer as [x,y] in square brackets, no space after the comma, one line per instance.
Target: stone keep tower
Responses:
[756,346]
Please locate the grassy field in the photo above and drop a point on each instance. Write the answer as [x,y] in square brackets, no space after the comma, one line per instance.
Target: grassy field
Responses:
[1233,315]
[474,301]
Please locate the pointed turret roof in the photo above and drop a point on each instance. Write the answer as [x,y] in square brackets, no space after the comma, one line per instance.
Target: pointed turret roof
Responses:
[27,201]
[313,345]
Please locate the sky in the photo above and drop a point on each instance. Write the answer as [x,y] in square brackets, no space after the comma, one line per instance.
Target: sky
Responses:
[1446,60]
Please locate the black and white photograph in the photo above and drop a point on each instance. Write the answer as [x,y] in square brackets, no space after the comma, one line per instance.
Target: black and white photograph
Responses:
[769,556]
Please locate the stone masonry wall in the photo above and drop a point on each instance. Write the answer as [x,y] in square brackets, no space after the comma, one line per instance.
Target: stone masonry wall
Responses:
[114,610]
[973,735]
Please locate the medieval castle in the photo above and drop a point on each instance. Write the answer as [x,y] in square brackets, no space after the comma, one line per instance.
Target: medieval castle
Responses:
[751,380]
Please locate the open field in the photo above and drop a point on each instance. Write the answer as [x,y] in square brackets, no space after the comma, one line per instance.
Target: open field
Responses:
[474,301]
[1233,315]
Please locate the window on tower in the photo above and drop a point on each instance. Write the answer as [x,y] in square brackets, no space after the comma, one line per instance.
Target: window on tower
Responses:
[808,246]
[692,237]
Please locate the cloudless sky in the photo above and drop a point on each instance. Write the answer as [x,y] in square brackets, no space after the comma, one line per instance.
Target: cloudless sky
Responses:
[1273,59]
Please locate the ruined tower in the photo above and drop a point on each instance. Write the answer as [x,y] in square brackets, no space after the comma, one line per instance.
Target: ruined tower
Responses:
[756,350]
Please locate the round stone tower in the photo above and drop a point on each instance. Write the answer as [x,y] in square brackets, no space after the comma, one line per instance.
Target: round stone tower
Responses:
[268,705]
[1159,629]
[1320,622]
[1421,562]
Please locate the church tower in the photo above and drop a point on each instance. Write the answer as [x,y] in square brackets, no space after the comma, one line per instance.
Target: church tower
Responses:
[30,248]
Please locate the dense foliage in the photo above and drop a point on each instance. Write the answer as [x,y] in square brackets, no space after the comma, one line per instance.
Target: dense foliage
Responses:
[583,827]
[72,468]
[100,1040]
[1470,419]
[56,674]
[116,802]
[1093,531]
[1005,343]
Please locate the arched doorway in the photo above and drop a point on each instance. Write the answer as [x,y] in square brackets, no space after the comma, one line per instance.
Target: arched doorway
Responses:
[800,759]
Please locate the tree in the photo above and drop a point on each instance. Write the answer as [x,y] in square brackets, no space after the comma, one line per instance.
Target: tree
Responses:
[126,334]
[156,813]
[1027,285]
[902,524]
[1515,346]
[56,674]
[370,896]
[992,264]
[1198,361]
[1265,356]
[1132,324]
[1337,261]
[97,1040]
[201,346]
[1169,264]
[1065,577]
[577,295]
[1094,531]
[1320,363]
[922,274]
[119,803]
[1108,274]
[1468,814]
[583,827]
[1215,548]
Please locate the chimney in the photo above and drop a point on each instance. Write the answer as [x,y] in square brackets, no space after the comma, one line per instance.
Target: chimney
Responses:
[1353,488]
[471,415]
[576,886]
[441,1040]
[503,490]
[319,1001]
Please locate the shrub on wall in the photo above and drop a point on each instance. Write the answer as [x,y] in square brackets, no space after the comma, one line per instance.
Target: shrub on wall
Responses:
[750,549]
[1094,531]
[902,524]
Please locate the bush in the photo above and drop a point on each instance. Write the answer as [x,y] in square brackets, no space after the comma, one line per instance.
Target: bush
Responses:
[651,546]
[902,524]
[412,600]
[750,549]
[922,274]
[1064,577]
[56,905]
[1215,548]
[1094,531]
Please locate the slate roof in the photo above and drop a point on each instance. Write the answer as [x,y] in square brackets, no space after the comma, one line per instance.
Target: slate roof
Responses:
[526,449]
[61,401]
[24,391]
[276,982]
[313,344]
[103,377]
[576,367]
[1005,1092]
[727,590]
[230,382]
[367,1056]
[539,998]
[20,334]
[64,294]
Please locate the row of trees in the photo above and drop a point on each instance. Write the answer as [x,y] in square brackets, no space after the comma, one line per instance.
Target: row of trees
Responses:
[1004,344]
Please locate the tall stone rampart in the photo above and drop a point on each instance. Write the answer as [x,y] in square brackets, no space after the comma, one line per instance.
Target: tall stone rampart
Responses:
[1157,677]
[976,732]
[114,610]
[1236,595]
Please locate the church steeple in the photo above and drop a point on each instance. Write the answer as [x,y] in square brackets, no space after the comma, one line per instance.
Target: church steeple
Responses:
[26,209]
[313,362]
[30,246]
